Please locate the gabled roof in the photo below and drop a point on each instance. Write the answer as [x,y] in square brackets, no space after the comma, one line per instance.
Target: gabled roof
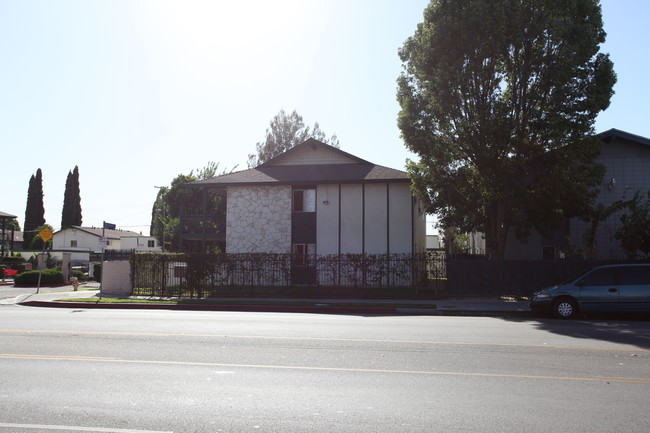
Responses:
[97,231]
[7,215]
[613,134]
[293,155]
[311,162]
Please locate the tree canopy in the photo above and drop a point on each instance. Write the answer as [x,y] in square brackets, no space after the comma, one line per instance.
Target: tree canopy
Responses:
[498,99]
[36,243]
[34,211]
[285,132]
[12,224]
[166,211]
[71,213]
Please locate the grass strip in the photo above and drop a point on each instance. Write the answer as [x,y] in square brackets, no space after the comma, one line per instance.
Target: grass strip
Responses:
[246,302]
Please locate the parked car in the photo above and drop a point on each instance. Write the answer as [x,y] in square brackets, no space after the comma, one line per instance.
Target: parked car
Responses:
[611,288]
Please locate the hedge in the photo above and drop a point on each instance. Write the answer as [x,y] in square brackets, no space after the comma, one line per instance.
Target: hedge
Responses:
[80,276]
[30,278]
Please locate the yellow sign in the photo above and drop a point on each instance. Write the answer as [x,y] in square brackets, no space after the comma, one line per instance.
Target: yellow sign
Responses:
[45,234]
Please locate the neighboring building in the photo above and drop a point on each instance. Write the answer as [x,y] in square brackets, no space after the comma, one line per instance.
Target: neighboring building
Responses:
[8,239]
[626,158]
[81,241]
[312,199]
[433,242]
[140,243]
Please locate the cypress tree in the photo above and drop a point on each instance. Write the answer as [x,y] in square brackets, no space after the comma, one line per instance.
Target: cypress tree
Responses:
[77,197]
[34,211]
[71,213]
[67,203]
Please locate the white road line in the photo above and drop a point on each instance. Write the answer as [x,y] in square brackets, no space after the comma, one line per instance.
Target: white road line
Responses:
[77,428]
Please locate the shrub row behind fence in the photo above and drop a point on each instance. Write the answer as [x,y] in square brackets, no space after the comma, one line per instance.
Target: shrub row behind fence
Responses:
[250,275]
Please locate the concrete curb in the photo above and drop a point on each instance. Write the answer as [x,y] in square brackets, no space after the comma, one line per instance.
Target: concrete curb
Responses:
[329,309]
[216,307]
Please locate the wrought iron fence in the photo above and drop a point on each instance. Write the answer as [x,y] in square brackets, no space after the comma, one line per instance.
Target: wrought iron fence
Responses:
[287,275]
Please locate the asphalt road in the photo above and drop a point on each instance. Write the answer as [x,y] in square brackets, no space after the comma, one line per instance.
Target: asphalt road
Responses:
[161,371]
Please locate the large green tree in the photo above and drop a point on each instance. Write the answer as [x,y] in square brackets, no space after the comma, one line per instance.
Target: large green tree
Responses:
[285,131]
[34,211]
[71,213]
[498,99]
[177,198]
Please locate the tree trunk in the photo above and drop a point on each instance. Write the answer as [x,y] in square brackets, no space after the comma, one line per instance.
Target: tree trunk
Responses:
[496,233]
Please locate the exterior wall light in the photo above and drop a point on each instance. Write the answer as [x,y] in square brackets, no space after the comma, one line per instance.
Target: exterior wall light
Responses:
[612,183]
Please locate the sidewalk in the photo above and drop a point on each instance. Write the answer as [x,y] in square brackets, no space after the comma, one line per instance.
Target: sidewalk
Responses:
[455,307]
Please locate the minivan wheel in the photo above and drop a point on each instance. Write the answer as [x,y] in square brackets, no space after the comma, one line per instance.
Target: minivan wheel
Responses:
[565,308]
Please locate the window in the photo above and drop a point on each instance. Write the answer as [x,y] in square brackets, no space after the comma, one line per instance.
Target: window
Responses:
[600,277]
[151,244]
[634,275]
[73,244]
[302,253]
[304,200]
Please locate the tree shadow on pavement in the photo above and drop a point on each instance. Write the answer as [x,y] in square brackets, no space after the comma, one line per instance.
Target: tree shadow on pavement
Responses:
[629,329]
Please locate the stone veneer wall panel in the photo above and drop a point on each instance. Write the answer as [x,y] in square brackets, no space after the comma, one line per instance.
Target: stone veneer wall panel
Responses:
[258,219]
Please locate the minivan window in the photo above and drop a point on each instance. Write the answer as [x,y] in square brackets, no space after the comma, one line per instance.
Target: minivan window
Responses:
[600,277]
[633,275]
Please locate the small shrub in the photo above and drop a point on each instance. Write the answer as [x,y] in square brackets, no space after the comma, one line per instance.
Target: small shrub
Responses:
[97,272]
[30,278]
[80,276]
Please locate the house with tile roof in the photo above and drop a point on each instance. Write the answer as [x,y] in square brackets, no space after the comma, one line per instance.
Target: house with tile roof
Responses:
[312,199]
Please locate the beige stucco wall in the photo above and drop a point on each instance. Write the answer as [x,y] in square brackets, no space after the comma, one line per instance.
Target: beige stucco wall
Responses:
[258,219]
[116,278]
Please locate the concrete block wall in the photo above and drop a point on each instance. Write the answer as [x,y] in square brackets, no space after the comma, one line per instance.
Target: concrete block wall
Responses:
[116,278]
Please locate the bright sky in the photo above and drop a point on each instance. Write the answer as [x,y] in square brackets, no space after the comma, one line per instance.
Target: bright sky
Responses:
[136,92]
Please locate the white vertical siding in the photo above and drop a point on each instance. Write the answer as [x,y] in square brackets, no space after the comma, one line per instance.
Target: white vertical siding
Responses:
[327,220]
[376,219]
[351,219]
[400,218]
[387,224]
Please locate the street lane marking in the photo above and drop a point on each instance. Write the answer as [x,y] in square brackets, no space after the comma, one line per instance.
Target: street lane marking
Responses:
[355,340]
[77,428]
[63,357]
[645,381]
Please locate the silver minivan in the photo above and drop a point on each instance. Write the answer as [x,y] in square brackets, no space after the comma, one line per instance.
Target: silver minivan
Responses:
[615,288]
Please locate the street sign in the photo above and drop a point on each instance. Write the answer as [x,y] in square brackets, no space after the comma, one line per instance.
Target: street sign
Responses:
[45,234]
[103,242]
